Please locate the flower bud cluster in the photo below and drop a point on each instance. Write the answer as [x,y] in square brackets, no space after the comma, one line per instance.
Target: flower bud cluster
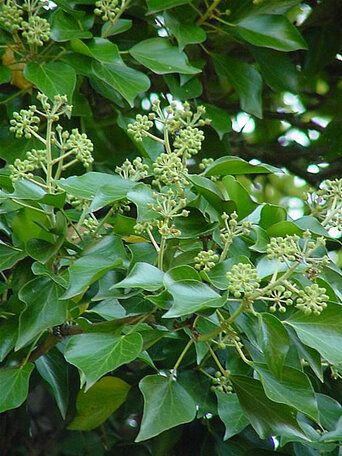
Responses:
[188,141]
[312,299]
[169,205]
[79,144]
[90,224]
[326,203]
[206,260]
[107,9]
[140,127]
[243,280]
[177,118]
[142,227]
[25,122]
[169,169]
[23,168]
[36,30]
[205,163]
[232,229]
[11,15]
[59,107]
[221,383]
[133,171]
[280,297]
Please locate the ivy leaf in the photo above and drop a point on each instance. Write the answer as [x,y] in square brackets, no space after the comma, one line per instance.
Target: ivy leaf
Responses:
[166,405]
[322,332]
[98,403]
[53,78]
[161,57]
[159,5]
[220,119]
[245,79]
[8,336]
[14,383]
[231,413]
[274,342]
[65,27]
[271,30]
[54,371]
[99,353]
[184,33]
[9,256]
[191,296]
[236,165]
[268,418]
[120,26]
[293,388]
[142,275]
[43,308]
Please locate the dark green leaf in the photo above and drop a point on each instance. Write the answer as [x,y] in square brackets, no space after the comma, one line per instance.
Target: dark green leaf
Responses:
[220,119]
[98,403]
[5,75]
[98,353]
[236,192]
[65,27]
[120,26]
[166,405]
[159,5]
[142,275]
[43,308]
[9,256]
[53,78]
[8,336]
[274,342]
[161,57]
[53,369]
[184,33]
[14,383]
[191,89]
[245,79]
[231,413]
[235,165]
[271,30]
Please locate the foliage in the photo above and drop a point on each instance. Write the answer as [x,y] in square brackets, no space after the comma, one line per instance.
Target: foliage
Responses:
[147,295]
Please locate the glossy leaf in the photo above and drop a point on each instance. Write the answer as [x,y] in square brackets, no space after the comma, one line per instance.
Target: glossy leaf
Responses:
[161,57]
[8,336]
[43,309]
[271,30]
[230,412]
[98,49]
[53,78]
[184,33]
[65,27]
[98,403]
[99,353]
[53,369]
[142,275]
[267,417]
[159,5]
[9,256]
[191,296]
[235,165]
[245,79]
[14,383]
[274,342]
[220,119]
[238,194]
[120,26]
[166,405]
[322,332]
[292,388]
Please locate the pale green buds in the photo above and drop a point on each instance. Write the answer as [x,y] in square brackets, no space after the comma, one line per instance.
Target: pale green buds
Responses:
[80,146]
[188,142]
[11,15]
[133,171]
[312,299]
[107,9]
[284,248]
[206,260]
[168,169]
[243,280]
[25,122]
[36,30]
[140,127]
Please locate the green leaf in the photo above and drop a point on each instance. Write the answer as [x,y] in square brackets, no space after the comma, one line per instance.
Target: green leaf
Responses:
[120,26]
[220,119]
[184,33]
[166,405]
[9,256]
[98,353]
[87,185]
[268,418]
[231,413]
[217,275]
[142,195]
[161,57]
[8,336]
[53,78]
[191,89]
[5,74]
[159,5]
[108,194]
[93,265]
[42,250]
[127,81]
[293,388]
[262,239]
[65,27]
[109,309]
[272,31]
[274,342]
[245,79]
[195,225]
[98,403]
[309,354]
[212,193]
[239,195]
[43,309]
[191,296]
[277,69]
[14,383]
[330,411]
[97,48]
[235,165]
[142,275]
[322,332]
[53,370]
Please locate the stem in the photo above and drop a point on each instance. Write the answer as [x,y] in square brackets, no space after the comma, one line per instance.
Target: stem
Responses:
[103,221]
[49,154]
[161,253]
[117,17]
[277,282]
[141,320]
[73,162]
[83,215]
[14,95]
[241,353]
[27,205]
[71,224]
[155,138]
[179,360]
[276,270]
[156,246]
[225,250]
[215,358]
[208,13]
[31,349]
